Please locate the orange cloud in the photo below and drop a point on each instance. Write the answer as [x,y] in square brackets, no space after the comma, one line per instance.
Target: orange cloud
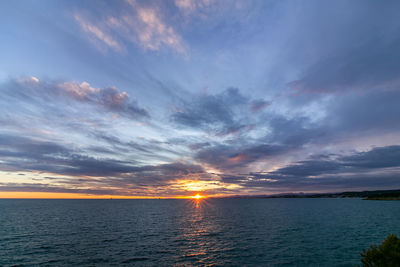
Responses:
[142,25]
[151,30]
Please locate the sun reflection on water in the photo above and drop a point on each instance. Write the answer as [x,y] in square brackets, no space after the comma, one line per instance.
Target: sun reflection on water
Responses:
[199,233]
[197,200]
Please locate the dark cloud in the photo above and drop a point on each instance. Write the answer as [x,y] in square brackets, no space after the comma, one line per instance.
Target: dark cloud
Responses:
[258,105]
[115,101]
[224,113]
[363,181]
[31,187]
[208,110]
[225,157]
[30,147]
[197,146]
[25,154]
[294,132]
[284,135]
[379,157]
[376,158]
[377,167]
[308,168]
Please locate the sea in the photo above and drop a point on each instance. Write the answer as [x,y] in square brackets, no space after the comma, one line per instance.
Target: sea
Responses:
[186,232]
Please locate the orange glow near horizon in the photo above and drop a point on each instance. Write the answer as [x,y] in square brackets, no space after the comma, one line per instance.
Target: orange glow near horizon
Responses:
[49,195]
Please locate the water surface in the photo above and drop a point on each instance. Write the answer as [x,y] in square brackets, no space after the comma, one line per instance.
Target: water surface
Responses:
[252,232]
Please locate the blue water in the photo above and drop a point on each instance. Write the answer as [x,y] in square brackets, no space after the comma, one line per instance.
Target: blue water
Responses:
[230,232]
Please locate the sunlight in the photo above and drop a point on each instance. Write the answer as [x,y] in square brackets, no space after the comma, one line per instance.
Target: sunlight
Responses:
[198,196]
[200,186]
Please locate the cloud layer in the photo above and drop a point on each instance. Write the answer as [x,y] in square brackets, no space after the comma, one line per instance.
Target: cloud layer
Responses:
[32,90]
[170,98]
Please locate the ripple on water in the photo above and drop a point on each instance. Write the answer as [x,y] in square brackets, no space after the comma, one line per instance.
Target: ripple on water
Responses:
[269,232]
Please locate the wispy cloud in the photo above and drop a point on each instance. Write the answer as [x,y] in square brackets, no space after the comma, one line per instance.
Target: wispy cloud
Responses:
[109,98]
[200,8]
[153,33]
[144,25]
[98,32]
[187,6]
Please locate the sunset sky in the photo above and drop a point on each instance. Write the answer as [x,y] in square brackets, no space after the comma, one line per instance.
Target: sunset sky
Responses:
[174,98]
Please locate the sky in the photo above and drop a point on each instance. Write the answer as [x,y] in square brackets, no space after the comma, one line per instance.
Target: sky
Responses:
[171,98]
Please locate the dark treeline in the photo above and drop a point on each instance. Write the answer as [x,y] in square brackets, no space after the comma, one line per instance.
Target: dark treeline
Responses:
[368,195]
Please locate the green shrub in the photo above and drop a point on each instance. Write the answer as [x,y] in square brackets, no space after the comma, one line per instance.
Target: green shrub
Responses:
[386,254]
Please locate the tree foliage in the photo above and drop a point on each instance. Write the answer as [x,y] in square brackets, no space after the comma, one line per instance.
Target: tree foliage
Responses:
[386,254]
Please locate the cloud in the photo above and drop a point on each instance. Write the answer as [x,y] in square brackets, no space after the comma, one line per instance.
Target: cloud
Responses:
[55,166]
[17,145]
[45,92]
[143,148]
[97,31]
[228,157]
[258,105]
[379,161]
[224,113]
[79,173]
[344,74]
[188,7]
[32,187]
[348,117]
[21,153]
[326,173]
[379,157]
[113,100]
[27,154]
[277,136]
[154,33]
[255,134]
[133,22]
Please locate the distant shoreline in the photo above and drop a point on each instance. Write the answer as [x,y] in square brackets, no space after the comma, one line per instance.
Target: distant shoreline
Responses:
[382,198]
[366,195]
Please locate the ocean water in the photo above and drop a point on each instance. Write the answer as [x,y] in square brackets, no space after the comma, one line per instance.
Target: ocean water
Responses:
[228,232]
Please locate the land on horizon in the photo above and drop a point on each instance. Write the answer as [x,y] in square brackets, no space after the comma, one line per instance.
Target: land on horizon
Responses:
[367,195]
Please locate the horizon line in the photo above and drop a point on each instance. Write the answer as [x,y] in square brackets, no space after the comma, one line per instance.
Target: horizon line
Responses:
[50,195]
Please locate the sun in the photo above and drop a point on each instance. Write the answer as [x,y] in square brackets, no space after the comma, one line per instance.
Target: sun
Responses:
[198,196]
